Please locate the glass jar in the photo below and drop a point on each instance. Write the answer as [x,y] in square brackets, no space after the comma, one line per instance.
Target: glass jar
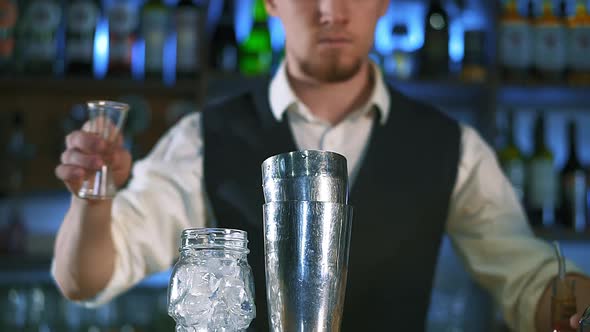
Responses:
[211,287]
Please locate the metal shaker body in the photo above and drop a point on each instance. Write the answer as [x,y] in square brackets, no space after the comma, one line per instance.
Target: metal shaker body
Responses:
[306,246]
[307,225]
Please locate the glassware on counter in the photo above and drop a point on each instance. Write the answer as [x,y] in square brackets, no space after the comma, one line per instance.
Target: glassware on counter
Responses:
[211,287]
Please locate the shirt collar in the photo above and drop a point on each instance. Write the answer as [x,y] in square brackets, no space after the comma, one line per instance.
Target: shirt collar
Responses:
[282,96]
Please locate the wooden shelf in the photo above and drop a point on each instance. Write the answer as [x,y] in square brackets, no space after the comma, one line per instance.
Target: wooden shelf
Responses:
[440,93]
[561,234]
[450,93]
[545,96]
[23,269]
[92,87]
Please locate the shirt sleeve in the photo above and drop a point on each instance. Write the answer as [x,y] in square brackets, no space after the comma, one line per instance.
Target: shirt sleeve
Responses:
[165,195]
[490,232]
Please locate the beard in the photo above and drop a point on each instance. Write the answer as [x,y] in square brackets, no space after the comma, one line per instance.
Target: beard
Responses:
[330,68]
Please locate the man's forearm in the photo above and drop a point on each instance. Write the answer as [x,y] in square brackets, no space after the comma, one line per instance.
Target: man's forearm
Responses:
[84,249]
[543,314]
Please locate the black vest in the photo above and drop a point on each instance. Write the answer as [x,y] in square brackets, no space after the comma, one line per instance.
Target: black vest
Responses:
[400,196]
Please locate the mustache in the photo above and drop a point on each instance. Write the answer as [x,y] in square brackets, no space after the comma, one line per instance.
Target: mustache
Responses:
[334,34]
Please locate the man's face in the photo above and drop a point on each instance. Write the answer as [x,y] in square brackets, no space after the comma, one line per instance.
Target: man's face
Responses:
[329,39]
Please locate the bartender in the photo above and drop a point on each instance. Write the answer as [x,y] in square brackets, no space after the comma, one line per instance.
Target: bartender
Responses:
[415,175]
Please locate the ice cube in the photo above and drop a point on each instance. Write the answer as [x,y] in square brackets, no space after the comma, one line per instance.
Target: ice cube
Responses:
[193,310]
[204,282]
[181,283]
[224,266]
[239,301]
[221,318]
[181,328]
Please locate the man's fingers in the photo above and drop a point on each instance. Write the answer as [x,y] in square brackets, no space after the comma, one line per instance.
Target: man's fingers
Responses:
[76,157]
[119,140]
[86,142]
[70,173]
[575,320]
[119,158]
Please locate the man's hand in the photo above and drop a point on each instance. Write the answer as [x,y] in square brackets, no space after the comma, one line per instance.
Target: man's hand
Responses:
[86,153]
[582,299]
[543,315]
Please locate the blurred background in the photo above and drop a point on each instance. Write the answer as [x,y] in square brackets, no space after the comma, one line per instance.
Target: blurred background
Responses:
[517,70]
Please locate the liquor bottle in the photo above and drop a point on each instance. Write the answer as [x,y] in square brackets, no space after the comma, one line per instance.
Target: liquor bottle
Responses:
[512,160]
[8,19]
[16,231]
[550,53]
[82,18]
[256,50]
[579,44]
[516,39]
[42,19]
[542,182]
[435,53]
[154,29]
[123,23]
[13,230]
[474,61]
[573,188]
[400,63]
[224,47]
[189,28]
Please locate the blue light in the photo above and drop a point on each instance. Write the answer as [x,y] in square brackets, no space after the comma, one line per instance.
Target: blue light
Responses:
[383,38]
[214,14]
[456,40]
[277,33]
[138,59]
[101,48]
[410,14]
[169,69]
[243,21]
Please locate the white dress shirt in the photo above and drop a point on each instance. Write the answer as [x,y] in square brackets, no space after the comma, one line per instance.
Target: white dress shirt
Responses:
[486,223]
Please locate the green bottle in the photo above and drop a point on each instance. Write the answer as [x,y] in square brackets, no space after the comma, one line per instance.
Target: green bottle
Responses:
[543,180]
[256,50]
[154,25]
[512,160]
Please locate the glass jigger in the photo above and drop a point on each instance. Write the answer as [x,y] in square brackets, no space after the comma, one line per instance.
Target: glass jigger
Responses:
[105,118]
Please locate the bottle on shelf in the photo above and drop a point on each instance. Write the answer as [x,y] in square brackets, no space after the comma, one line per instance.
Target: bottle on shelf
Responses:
[18,150]
[550,50]
[256,51]
[224,46]
[474,61]
[400,64]
[542,181]
[573,188]
[82,18]
[579,44]
[123,20]
[516,40]
[189,23]
[41,34]
[435,52]
[155,19]
[8,20]
[512,159]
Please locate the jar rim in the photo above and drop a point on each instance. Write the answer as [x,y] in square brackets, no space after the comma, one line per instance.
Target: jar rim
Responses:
[214,238]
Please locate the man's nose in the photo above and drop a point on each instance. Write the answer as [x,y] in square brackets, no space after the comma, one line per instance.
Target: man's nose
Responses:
[333,12]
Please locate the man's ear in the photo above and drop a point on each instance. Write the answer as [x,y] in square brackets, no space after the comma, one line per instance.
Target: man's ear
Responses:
[271,7]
